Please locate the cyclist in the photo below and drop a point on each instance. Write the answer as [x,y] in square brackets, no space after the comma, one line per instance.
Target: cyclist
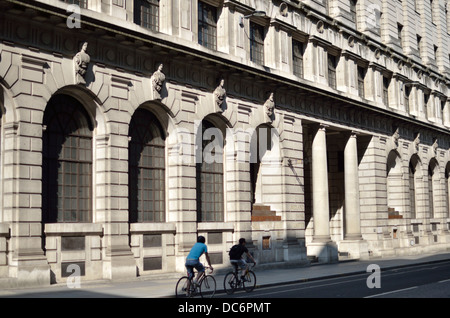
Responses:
[236,259]
[192,260]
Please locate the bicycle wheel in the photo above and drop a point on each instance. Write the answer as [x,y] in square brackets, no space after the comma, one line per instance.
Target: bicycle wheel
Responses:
[230,283]
[250,282]
[208,287]
[181,290]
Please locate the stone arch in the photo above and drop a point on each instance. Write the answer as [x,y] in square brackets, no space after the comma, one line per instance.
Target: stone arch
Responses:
[92,105]
[7,106]
[415,184]
[68,158]
[146,168]
[447,190]
[394,181]
[265,161]
[433,186]
[164,115]
[210,168]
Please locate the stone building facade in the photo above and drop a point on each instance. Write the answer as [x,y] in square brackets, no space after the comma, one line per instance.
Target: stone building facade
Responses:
[108,108]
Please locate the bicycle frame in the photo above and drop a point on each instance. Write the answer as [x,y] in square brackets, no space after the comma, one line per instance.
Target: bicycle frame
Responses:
[194,288]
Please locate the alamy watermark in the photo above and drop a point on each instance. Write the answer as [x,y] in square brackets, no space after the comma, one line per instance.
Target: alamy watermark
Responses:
[374,279]
[74,280]
[74,19]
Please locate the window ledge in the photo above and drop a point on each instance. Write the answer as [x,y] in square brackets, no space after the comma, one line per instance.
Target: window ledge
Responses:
[73,229]
[136,228]
[215,226]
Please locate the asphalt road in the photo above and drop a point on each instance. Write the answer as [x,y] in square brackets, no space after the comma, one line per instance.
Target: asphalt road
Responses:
[421,281]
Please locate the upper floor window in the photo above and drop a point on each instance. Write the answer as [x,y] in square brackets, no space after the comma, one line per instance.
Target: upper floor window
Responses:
[297,58]
[256,43]
[419,43]
[207,25]
[81,3]
[399,34]
[432,11]
[386,83]
[353,10]
[361,77]
[407,93]
[146,14]
[332,65]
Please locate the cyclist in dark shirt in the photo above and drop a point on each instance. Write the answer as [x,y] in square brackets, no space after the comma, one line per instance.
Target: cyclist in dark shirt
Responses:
[236,259]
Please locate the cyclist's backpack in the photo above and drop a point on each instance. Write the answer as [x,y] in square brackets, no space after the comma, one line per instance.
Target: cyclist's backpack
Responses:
[235,252]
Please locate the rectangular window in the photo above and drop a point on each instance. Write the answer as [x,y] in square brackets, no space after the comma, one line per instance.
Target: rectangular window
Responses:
[361,77]
[426,98]
[257,43]
[435,53]
[207,25]
[353,10]
[419,41]
[332,64]
[81,3]
[432,11]
[146,14]
[399,32]
[297,58]
[407,92]
[386,82]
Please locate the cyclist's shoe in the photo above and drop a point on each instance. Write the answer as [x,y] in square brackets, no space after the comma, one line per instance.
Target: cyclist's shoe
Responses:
[243,279]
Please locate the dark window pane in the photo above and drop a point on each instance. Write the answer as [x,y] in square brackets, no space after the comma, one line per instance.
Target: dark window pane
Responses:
[257,43]
[210,203]
[146,14]
[297,58]
[80,3]
[207,25]
[67,170]
[146,169]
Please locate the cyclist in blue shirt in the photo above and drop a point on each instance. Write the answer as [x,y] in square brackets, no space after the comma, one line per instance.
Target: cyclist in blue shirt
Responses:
[192,260]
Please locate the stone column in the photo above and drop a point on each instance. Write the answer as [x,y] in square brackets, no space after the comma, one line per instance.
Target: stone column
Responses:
[321,247]
[320,187]
[352,221]
[353,243]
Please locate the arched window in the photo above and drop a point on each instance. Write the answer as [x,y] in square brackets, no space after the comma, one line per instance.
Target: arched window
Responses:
[261,142]
[146,164]
[394,182]
[209,173]
[412,189]
[67,162]
[432,186]
[446,187]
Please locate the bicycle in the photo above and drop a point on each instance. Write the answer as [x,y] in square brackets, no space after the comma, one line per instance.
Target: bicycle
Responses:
[206,287]
[232,280]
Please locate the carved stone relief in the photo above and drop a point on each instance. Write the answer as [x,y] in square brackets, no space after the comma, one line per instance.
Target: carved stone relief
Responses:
[269,107]
[81,63]
[219,96]
[157,81]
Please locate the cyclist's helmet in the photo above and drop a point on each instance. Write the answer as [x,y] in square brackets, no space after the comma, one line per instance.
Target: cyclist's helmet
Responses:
[201,239]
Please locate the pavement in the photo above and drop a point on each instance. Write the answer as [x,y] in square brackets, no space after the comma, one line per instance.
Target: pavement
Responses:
[163,286]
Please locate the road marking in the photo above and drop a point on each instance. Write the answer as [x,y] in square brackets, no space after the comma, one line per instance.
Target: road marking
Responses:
[300,287]
[391,292]
[444,281]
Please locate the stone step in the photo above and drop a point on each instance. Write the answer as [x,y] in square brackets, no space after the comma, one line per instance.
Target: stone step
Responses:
[260,207]
[261,213]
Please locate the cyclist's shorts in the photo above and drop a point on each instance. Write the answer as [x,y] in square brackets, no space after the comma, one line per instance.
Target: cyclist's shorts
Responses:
[239,262]
[194,263]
